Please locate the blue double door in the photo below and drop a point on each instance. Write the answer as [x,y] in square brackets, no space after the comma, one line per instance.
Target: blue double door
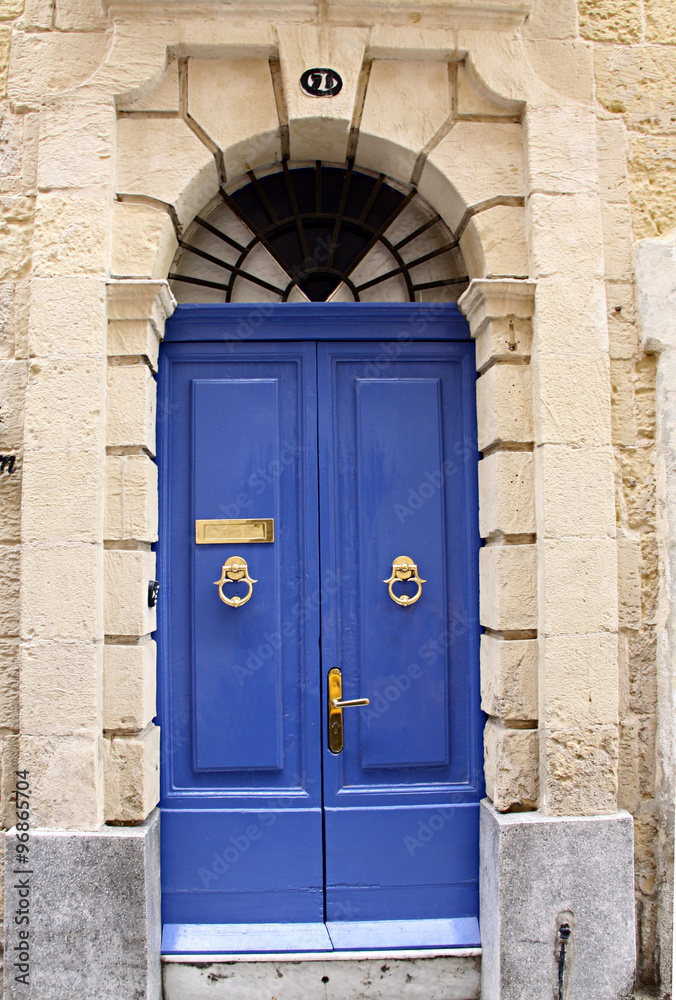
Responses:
[356,463]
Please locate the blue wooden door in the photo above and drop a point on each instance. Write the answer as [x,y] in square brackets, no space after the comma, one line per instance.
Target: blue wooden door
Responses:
[360,458]
[241,817]
[397,458]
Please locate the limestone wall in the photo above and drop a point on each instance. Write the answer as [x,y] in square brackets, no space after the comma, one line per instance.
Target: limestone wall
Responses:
[633,44]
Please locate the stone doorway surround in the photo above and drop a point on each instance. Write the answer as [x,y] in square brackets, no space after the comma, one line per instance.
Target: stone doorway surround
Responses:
[179,100]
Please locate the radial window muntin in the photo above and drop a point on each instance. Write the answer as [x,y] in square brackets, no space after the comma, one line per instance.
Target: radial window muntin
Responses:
[317,232]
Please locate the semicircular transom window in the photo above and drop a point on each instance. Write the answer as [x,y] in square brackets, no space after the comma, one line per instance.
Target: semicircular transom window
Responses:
[318,232]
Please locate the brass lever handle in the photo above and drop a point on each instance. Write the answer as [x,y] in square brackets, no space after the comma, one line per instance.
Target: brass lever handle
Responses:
[404,569]
[234,569]
[336,706]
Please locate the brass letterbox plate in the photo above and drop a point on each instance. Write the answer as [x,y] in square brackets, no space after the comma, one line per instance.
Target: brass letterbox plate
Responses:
[234,529]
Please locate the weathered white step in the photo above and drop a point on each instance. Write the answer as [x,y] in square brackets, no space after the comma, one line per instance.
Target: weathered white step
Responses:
[331,977]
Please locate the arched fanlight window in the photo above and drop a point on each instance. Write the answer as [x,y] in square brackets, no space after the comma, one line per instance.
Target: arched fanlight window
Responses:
[318,232]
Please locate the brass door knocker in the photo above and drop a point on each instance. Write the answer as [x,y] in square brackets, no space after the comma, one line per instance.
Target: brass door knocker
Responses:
[234,569]
[404,569]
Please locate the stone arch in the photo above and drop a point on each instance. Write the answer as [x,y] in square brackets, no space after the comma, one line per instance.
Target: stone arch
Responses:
[175,149]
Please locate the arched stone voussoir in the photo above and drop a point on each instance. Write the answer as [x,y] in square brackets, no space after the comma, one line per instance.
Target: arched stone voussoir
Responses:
[163,160]
[476,162]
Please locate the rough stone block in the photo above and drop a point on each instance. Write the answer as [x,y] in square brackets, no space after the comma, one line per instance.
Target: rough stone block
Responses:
[406,103]
[80,15]
[13,376]
[660,21]
[76,143]
[234,102]
[627,774]
[131,498]
[577,391]
[579,678]
[67,316]
[622,413]
[612,21]
[9,590]
[64,403]
[511,766]
[637,467]
[130,417]
[579,771]
[642,672]
[127,575]
[482,159]
[509,678]
[17,214]
[629,582]
[566,235]
[564,66]
[60,588]
[60,688]
[570,316]
[7,336]
[144,241]
[504,405]
[611,148]
[576,492]
[622,327]
[547,21]
[10,501]
[579,586]
[506,494]
[132,772]
[568,164]
[129,686]
[508,587]
[9,684]
[633,79]
[10,9]
[66,780]
[187,179]
[494,243]
[62,500]
[84,886]
[71,233]
[618,241]
[653,185]
[538,872]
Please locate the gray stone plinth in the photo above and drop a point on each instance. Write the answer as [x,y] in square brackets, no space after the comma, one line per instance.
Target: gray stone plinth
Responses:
[538,872]
[384,978]
[94,914]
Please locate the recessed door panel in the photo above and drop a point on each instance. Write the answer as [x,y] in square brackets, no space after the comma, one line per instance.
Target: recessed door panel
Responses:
[400,503]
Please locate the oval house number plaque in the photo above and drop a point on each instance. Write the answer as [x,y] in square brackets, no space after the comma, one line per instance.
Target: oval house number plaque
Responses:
[320,82]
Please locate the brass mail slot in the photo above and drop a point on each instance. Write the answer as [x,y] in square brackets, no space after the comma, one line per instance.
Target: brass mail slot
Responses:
[234,529]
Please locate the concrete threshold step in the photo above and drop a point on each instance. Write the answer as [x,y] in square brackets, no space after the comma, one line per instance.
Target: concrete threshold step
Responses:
[417,975]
